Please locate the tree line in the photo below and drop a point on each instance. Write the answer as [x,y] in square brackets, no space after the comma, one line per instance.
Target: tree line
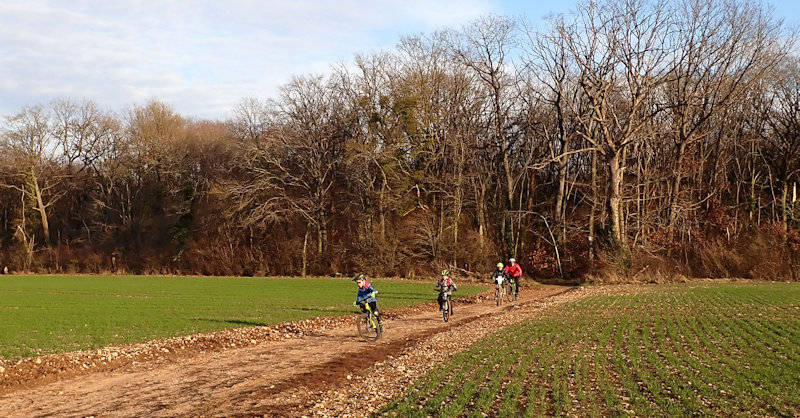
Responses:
[629,137]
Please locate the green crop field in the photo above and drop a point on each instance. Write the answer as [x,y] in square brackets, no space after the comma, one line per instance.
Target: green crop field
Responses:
[50,314]
[680,350]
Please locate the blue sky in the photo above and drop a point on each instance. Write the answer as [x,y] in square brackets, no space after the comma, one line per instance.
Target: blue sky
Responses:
[202,57]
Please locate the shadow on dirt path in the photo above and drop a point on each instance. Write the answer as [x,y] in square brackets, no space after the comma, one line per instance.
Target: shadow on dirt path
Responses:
[261,379]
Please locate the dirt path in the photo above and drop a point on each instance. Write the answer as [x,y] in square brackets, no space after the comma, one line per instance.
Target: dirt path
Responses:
[308,374]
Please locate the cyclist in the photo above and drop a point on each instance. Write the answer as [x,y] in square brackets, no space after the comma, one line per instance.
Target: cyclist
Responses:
[498,275]
[366,295]
[446,287]
[514,272]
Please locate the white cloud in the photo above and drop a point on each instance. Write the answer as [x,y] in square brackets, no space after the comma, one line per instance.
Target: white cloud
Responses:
[200,56]
[203,56]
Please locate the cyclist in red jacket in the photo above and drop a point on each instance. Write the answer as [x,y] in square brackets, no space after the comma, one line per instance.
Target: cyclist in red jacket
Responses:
[514,272]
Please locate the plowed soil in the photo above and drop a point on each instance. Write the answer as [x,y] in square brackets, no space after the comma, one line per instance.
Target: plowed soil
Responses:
[316,367]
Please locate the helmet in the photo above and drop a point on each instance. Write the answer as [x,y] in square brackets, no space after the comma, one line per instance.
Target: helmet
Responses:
[445,272]
[499,265]
[512,260]
[359,276]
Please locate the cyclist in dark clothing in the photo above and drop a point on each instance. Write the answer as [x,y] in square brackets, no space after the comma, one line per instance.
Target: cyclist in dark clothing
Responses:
[498,275]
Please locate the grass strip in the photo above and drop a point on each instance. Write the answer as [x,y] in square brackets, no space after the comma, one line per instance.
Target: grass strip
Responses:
[52,314]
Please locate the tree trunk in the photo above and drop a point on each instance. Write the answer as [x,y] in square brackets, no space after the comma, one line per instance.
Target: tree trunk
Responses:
[509,204]
[382,210]
[305,254]
[440,235]
[641,190]
[593,210]
[320,240]
[559,212]
[753,207]
[322,233]
[28,242]
[676,184]
[785,206]
[456,216]
[481,208]
[501,137]
[615,199]
[40,207]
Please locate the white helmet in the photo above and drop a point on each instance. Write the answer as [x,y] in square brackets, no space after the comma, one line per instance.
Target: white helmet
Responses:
[512,260]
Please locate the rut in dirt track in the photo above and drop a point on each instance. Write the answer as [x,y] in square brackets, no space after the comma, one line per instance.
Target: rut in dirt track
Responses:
[270,377]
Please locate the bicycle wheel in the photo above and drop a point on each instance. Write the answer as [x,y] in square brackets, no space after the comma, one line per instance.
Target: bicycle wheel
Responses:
[509,291]
[446,310]
[378,325]
[368,327]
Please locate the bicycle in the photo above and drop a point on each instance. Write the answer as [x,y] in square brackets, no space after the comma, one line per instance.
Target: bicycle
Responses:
[508,290]
[367,323]
[500,290]
[512,289]
[446,305]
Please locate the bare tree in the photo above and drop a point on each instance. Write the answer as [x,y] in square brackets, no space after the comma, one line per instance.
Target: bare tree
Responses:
[373,169]
[721,49]
[782,132]
[291,172]
[552,81]
[251,120]
[28,137]
[82,130]
[85,135]
[485,47]
[426,92]
[620,48]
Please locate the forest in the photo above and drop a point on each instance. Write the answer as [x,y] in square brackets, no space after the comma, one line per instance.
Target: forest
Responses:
[629,140]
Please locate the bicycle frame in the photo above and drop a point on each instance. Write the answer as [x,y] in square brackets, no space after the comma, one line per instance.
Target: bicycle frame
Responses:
[499,291]
[513,287]
[368,318]
[371,316]
[445,297]
[446,306]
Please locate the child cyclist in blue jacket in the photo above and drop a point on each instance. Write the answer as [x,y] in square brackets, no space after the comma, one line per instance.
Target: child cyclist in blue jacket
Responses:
[366,295]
